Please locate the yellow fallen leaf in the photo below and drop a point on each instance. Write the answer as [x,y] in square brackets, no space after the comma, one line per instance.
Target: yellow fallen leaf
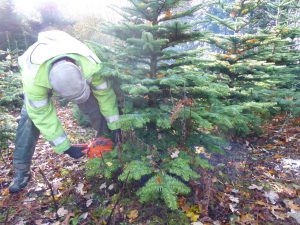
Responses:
[5,192]
[109,164]
[61,188]
[57,197]
[193,217]
[259,202]
[277,156]
[247,219]
[199,149]
[133,214]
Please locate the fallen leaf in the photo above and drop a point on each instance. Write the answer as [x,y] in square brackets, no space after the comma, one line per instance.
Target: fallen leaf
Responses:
[277,156]
[110,187]
[272,196]
[295,214]
[21,222]
[258,202]
[247,219]
[56,184]
[133,214]
[109,164]
[175,154]
[278,212]
[232,207]
[38,222]
[234,199]
[5,192]
[102,186]
[290,204]
[185,208]
[289,192]
[89,202]
[181,201]
[79,189]
[254,186]
[84,216]
[235,191]
[193,216]
[62,212]
[199,149]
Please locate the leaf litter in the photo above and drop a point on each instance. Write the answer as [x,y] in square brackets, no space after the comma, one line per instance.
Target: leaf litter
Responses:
[256,182]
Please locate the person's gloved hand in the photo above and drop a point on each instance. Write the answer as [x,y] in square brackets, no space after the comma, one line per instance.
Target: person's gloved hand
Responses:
[75,152]
[117,137]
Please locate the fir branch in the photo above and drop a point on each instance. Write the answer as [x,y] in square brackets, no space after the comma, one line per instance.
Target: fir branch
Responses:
[135,170]
[181,168]
[147,17]
[185,13]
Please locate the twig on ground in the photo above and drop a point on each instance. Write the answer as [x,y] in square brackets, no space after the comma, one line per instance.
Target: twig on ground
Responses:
[118,200]
[6,216]
[52,192]
[120,150]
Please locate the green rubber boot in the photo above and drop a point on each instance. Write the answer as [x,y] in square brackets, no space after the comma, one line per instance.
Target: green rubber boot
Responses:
[19,182]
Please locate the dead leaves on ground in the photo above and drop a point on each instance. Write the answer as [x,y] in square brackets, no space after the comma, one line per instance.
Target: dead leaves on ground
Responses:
[266,189]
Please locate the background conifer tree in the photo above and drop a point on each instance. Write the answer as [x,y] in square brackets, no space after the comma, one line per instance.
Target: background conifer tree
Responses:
[257,60]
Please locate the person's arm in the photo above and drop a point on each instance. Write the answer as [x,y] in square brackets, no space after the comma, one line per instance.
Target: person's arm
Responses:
[42,112]
[107,100]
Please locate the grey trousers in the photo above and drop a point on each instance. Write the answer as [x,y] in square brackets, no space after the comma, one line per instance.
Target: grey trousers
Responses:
[27,134]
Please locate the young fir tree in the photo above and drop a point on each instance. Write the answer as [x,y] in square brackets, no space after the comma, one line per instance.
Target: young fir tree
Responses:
[252,61]
[10,101]
[162,96]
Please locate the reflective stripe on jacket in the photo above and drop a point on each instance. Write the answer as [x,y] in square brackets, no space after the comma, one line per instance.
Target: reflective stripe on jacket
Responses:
[37,87]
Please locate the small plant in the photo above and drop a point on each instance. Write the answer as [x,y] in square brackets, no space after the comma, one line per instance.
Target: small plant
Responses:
[10,85]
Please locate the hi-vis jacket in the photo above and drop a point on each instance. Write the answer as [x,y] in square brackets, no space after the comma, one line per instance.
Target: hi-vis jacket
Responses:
[35,64]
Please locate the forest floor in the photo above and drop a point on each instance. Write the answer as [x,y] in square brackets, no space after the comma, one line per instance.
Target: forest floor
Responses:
[257,181]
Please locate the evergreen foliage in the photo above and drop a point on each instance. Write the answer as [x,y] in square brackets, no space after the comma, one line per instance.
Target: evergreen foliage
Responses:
[10,89]
[253,61]
[10,86]
[7,127]
[165,187]
[174,101]
[135,170]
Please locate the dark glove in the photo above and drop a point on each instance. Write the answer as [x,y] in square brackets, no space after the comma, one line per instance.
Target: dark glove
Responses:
[75,152]
[117,137]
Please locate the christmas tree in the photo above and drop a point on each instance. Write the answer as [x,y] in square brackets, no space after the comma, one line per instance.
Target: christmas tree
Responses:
[161,102]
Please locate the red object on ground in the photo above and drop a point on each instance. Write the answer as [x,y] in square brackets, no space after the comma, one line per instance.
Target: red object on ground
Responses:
[97,147]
